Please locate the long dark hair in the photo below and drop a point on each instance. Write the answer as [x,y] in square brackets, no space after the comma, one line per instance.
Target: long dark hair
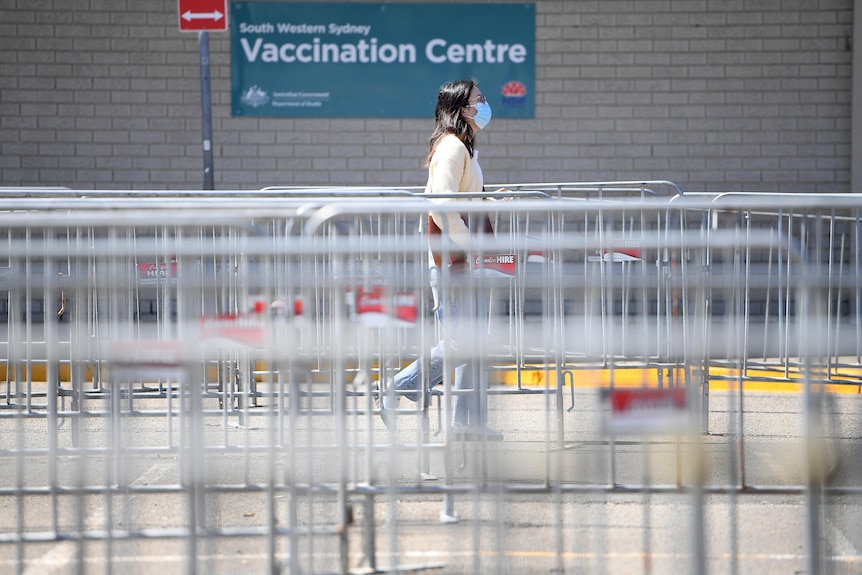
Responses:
[451,98]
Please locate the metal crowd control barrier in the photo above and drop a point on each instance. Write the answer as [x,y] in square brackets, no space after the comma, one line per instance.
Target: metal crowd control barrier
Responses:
[825,230]
[190,383]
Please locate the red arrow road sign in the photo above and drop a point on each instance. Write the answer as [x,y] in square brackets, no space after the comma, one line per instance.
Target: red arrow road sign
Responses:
[196,15]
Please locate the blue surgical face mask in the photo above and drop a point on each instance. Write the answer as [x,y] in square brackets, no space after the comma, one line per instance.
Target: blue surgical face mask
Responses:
[483,114]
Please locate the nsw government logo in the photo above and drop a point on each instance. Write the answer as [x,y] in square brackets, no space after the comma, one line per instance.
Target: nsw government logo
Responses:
[514,94]
[255,97]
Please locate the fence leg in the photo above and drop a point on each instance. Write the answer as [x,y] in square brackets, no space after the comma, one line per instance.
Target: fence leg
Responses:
[369,533]
[704,403]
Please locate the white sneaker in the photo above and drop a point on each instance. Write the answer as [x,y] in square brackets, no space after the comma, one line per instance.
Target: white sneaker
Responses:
[383,401]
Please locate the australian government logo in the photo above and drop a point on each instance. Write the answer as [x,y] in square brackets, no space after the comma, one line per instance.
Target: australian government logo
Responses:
[514,94]
[255,97]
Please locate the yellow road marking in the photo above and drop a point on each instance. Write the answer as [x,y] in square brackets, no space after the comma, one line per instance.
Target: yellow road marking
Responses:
[722,379]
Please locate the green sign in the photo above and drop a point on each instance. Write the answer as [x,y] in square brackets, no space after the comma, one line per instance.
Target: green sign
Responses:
[321,59]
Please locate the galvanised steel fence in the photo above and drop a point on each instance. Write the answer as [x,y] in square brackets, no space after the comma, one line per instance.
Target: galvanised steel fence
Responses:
[194,381]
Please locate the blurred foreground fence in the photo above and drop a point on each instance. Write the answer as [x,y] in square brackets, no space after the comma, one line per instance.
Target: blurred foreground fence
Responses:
[190,382]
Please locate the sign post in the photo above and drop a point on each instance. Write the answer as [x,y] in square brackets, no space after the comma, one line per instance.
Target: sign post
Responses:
[206,110]
[202,16]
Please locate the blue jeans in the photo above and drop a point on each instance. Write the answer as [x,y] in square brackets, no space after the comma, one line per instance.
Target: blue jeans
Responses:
[463,306]
[410,379]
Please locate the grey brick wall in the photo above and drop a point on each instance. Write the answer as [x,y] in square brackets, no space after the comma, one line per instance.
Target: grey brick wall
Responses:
[715,95]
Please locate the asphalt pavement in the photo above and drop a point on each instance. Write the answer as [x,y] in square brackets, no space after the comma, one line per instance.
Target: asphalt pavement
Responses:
[546,499]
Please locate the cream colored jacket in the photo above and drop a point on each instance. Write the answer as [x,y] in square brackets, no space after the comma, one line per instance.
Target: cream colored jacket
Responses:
[452,170]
